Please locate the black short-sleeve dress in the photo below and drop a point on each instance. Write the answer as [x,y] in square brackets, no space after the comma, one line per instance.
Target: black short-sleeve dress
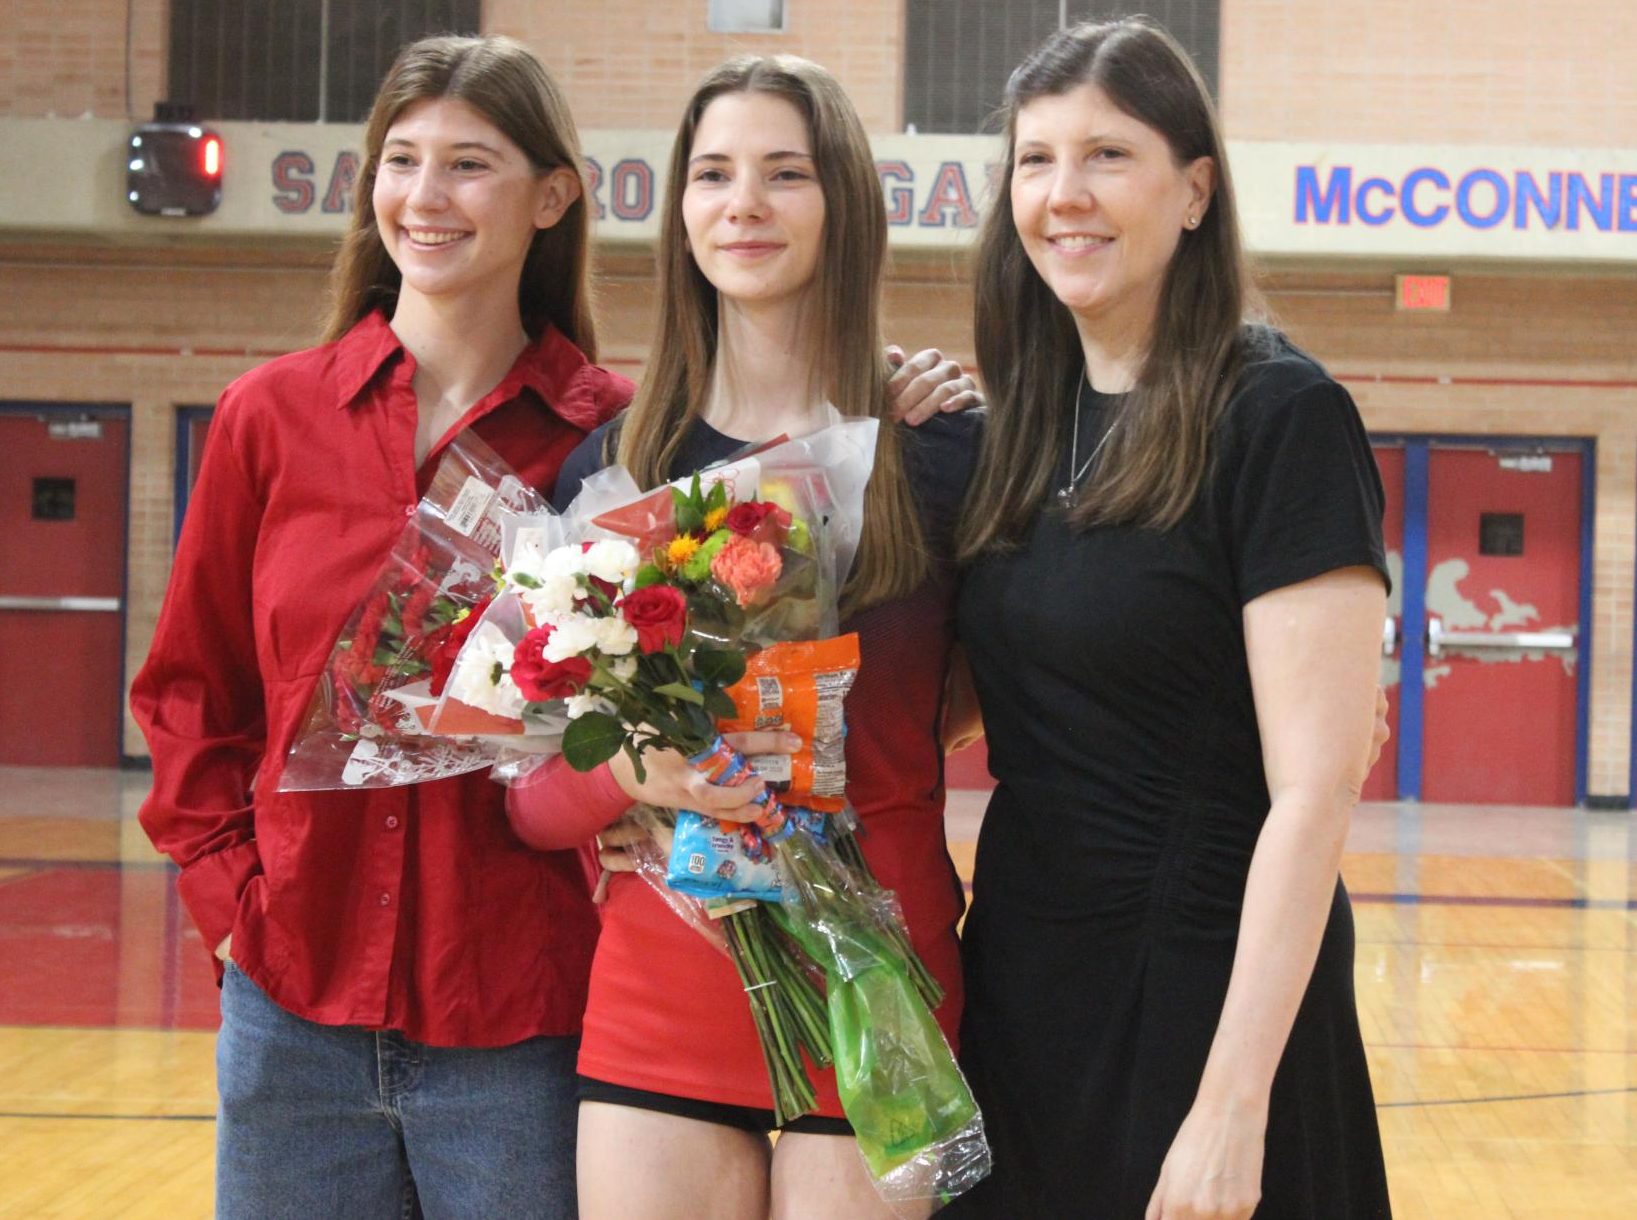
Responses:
[1110,665]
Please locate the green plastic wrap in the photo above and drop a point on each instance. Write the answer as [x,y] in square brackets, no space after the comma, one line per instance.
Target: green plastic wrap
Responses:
[916,1122]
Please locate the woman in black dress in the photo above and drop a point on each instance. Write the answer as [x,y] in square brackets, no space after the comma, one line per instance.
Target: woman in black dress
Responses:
[1172,614]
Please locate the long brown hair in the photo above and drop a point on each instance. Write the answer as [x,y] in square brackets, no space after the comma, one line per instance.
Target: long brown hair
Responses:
[502,80]
[846,304]
[1027,345]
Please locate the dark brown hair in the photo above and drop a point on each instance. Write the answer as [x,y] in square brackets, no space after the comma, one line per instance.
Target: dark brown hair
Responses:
[1027,344]
[502,80]
[846,323]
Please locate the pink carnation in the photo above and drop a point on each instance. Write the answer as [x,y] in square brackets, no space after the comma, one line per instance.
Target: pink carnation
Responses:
[748,568]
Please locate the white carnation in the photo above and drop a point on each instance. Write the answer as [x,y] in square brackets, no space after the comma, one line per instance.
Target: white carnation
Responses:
[486,653]
[613,561]
[574,634]
[615,636]
[624,669]
[555,596]
[564,561]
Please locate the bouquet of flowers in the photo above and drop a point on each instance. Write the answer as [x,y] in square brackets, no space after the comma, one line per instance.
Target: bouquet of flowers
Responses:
[690,611]
[367,723]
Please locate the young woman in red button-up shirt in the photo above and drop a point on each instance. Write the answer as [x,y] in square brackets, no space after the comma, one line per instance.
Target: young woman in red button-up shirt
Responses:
[404,978]
[772,248]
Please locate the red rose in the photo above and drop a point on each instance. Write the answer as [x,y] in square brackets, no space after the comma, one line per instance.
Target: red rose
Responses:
[658,613]
[446,644]
[761,522]
[539,679]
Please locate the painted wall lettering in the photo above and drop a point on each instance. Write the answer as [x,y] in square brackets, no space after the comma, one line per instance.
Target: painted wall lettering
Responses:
[900,199]
[1482,198]
[949,195]
[292,182]
[339,196]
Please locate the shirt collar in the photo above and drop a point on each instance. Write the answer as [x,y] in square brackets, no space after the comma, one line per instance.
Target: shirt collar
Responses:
[558,372]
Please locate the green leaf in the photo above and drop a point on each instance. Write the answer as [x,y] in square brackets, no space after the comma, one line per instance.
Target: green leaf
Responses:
[635,755]
[680,690]
[721,666]
[701,721]
[718,497]
[690,508]
[719,705]
[592,740]
[649,574]
[524,579]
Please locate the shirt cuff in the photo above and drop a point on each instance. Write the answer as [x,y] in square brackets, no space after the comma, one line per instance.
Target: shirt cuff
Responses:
[212,885]
[557,807]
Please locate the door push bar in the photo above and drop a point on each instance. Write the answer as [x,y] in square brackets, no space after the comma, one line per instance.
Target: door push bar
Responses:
[60,603]
[1439,639]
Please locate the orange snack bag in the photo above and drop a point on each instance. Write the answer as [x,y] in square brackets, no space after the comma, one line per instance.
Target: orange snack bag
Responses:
[799,687]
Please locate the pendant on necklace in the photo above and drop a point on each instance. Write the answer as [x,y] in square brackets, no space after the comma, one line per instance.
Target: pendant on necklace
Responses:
[1066,497]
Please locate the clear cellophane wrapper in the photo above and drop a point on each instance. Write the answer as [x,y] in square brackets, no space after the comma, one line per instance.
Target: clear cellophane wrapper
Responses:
[367,723]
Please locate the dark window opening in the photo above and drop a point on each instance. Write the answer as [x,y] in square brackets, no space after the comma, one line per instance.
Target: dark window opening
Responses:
[297,60]
[958,54]
[53,500]
[1500,534]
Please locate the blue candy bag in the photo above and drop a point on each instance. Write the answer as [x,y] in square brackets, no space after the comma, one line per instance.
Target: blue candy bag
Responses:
[712,859]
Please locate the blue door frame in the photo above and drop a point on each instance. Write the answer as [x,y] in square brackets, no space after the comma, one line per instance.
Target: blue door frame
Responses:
[186,417]
[1412,654]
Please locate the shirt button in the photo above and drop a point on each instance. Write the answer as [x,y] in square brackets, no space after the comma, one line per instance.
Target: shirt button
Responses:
[392,821]
[386,900]
[409,510]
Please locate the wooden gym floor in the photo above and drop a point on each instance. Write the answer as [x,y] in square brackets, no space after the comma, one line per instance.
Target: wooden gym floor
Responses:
[1497,982]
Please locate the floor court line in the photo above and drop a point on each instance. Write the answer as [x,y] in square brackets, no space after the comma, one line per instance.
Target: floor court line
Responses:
[1479,1101]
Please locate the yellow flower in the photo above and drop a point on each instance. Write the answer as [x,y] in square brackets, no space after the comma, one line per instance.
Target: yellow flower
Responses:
[681,550]
[714,519]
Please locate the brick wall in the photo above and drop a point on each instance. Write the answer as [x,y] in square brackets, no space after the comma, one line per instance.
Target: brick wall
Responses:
[1431,71]
[71,57]
[632,63]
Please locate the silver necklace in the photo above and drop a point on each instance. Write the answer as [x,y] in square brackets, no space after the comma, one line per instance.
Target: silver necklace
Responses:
[1069,494]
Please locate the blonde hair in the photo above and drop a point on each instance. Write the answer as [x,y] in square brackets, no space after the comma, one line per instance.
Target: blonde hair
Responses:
[502,80]
[853,374]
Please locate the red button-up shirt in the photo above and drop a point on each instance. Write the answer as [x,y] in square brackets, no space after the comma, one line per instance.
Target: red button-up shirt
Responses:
[413,908]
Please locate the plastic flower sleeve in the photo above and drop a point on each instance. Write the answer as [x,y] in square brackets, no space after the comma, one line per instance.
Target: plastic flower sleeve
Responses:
[917,1124]
[367,723]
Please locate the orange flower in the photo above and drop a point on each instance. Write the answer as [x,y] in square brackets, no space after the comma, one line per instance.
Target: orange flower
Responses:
[748,568]
[681,550]
[713,520]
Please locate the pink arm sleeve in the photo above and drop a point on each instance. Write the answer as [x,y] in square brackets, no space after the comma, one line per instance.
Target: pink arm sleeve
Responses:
[557,807]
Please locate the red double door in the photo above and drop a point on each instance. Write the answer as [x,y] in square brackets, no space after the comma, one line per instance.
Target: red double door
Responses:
[63,479]
[1485,644]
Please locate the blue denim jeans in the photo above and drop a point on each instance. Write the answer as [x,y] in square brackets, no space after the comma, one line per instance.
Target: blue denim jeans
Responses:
[321,1121]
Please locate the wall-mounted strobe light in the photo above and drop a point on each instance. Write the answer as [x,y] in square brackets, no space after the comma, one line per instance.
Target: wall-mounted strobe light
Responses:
[174,165]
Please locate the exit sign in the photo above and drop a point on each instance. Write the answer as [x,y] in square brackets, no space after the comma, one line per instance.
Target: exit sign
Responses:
[1423,292]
